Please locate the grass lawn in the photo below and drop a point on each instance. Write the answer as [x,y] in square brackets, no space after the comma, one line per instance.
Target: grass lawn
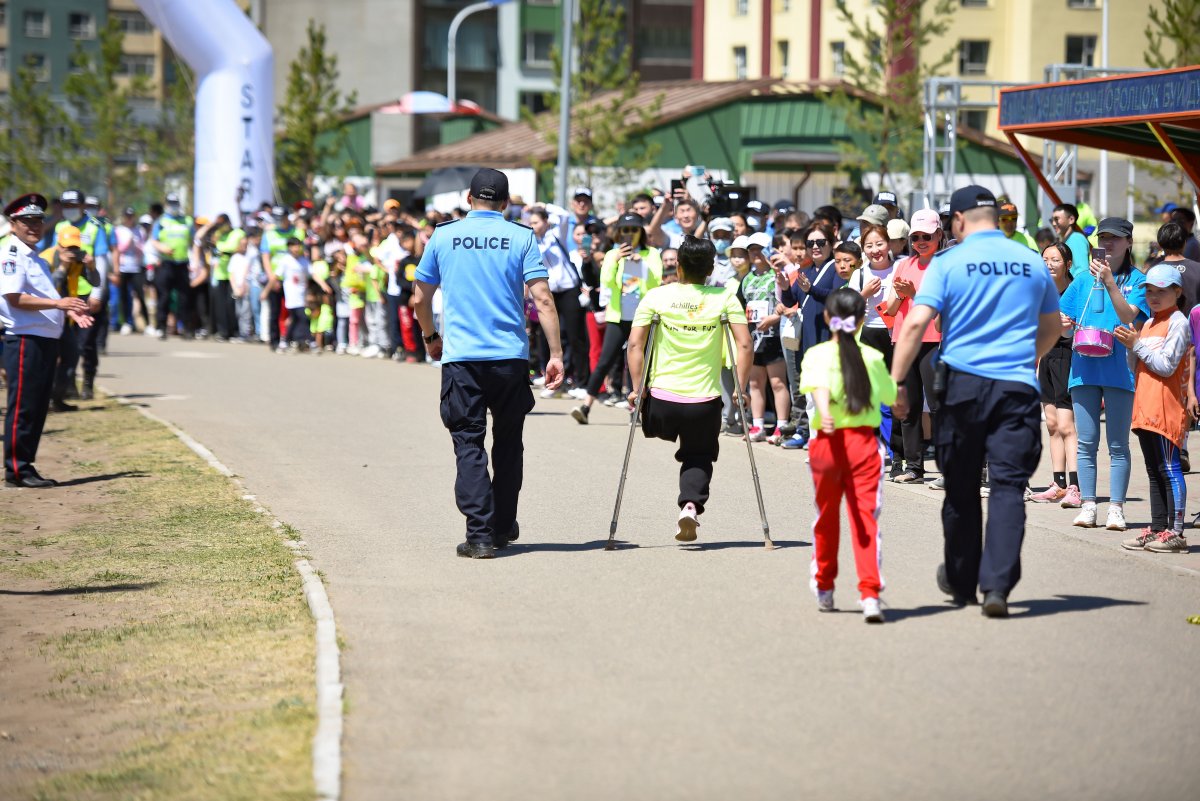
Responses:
[157,643]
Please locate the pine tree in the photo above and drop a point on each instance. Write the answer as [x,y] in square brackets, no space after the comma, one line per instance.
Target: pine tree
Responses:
[30,134]
[311,117]
[104,131]
[606,129]
[885,57]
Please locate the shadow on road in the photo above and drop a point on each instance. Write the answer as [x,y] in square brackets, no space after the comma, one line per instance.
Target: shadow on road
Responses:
[1039,607]
[720,546]
[75,482]
[138,587]
[518,548]
[895,615]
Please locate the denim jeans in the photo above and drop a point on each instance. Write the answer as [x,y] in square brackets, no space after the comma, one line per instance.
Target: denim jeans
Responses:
[1118,414]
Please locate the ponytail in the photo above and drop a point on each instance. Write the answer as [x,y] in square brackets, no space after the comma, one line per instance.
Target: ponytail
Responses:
[846,309]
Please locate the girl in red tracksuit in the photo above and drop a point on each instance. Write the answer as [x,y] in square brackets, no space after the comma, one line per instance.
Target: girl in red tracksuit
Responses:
[849,382]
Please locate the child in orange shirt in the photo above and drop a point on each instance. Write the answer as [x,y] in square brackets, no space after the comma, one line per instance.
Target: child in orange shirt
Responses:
[1160,418]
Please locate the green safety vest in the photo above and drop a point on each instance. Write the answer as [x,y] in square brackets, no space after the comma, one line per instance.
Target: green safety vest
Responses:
[226,247]
[177,233]
[276,241]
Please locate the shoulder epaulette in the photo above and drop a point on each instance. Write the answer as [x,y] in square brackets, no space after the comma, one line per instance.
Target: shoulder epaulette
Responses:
[447,222]
[521,225]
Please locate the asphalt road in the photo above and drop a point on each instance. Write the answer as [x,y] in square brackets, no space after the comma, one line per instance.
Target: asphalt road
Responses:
[561,671]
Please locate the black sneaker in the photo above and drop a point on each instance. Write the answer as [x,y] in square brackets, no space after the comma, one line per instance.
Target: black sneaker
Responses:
[734,429]
[580,413]
[476,550]
[943,582]
[513,536]
[62,406]
[995,604]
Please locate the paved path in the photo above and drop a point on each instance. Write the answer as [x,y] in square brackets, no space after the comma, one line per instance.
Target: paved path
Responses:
[661,672]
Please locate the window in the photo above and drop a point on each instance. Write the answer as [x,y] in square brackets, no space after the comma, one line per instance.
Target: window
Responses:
[975,120]
[973,3]
[1081,4]
[784,54]
[37,24]
[664,45]
[132,22]
[537,49]
[535,102]
[1081,50]
[3,14]
[739,63]
[741,7]
[973,57]
[136,64]
[839,58]
[39,66]
[3,59]
[81,26]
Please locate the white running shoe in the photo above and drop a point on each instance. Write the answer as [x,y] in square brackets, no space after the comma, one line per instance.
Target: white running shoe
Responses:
[1116,518]
[150,331]
[540,381]
[1086,517]
[341,348]
[578,393]
[370,351]
[126,330]
[550,393]
[688,523]
[825,600]
[871,611]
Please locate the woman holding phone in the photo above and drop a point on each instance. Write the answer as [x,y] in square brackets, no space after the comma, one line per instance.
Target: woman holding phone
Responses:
[1108,295]
[630,270]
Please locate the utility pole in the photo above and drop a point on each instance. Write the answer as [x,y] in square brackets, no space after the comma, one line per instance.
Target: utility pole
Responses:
[452,47]
[564,96]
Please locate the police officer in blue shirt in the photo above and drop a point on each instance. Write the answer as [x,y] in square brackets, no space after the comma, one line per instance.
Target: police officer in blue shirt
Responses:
[999,313]
[32,312]
[484,263]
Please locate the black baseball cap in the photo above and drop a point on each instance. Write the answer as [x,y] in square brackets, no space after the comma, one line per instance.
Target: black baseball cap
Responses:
[885,198]
[1117,226]
[756,207]
[489,184]
[971,197]
[630,220]
[71,197]
[172,198]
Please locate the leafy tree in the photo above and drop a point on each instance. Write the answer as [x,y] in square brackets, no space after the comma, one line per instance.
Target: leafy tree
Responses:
[30,134]
[885,57]
[1172,40]
[606,129]
[311,116]
[104,131]
[169,148]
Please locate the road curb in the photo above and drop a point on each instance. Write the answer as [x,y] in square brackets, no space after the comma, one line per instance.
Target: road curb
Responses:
[327,742]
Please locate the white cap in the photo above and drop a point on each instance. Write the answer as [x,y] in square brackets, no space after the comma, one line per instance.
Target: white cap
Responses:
[145,219]
[741,243]
[720,224]
[761,239]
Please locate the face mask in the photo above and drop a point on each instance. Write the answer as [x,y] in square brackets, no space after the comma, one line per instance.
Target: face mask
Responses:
[722,245]
[73,215]
[174,210]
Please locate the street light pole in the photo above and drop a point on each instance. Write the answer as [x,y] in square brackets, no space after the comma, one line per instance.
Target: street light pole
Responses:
[452,36]
[564,102]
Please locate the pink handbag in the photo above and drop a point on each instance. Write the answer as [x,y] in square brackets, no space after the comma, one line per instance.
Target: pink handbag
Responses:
[1088,340]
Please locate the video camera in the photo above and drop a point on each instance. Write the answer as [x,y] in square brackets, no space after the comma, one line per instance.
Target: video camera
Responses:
[728,198]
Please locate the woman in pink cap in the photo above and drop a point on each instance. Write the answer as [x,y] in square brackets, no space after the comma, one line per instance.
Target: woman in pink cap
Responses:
[925,237]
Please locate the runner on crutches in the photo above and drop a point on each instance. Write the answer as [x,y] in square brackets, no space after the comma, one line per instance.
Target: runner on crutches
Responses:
[679,340]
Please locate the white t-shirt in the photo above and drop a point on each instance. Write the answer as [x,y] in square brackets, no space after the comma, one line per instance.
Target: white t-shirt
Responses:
[561,274]
[293,274]
[861,277]
[391,254]
[130,244]
[239,274]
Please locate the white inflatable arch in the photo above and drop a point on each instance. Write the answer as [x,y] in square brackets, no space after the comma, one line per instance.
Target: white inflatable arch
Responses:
[235,146]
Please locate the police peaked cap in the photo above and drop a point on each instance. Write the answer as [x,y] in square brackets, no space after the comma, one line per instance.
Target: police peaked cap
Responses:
[31,205]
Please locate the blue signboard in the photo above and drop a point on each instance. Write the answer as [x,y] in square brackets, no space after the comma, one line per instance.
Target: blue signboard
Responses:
[1114,98]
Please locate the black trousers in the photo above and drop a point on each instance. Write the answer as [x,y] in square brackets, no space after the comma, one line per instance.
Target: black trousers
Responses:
[131,287]
[172,276]
[998,422]
[89,343]
[469,391]
[918,383]
[69,346]
[30,362]
[224,316]
[881,340]
[615,337]
[393,320]
[274,301]
[297,330]
[572,322]
[697,428]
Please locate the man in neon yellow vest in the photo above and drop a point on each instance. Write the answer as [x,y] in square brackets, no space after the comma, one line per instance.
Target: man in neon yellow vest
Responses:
[94,244]
[274,242]
[225,240]
[171,238]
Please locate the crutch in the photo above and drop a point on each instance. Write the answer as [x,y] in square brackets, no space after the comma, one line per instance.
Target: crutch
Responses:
[612,527]
[762,510]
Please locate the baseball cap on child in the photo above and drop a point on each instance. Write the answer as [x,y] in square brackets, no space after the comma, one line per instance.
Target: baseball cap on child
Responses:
[759,239]
[741,243]
[1163,276]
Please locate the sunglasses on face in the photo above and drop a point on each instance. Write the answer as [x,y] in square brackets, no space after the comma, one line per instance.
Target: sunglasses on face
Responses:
[817,243]
[921,237]
[628,230]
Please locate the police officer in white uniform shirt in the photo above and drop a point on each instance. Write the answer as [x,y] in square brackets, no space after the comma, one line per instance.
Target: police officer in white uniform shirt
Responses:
[33,314]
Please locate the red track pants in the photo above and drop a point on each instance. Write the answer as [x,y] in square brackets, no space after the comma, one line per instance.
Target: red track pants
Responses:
[848,462]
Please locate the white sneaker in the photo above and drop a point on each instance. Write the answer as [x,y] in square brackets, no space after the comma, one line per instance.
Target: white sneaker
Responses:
[824,600]
[370,352]
[353,350]
[540,381]
[341,348]
[871,611]
[1086,518]
[126,330]
[578,393]
[688,523]
[550,393]
[1116,519]
[150,331]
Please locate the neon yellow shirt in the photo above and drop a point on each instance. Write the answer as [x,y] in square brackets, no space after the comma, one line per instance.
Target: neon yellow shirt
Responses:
[354,283]
[823,368]
[689,347]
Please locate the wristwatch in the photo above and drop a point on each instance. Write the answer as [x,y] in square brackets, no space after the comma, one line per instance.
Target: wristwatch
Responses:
[431,337]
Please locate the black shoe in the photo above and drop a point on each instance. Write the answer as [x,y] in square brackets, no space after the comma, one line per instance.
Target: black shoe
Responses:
[1185,462]
[995,604]
[943,582]
[86,393]
[734,429]
[57,405]
[72,392]
[32,481]
[513,536]
[471,550]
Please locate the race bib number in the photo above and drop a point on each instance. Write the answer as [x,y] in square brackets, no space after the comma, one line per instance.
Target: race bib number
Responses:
[756,311]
